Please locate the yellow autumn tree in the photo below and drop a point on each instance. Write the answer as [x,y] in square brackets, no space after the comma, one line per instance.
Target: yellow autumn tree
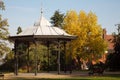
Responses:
[89,44]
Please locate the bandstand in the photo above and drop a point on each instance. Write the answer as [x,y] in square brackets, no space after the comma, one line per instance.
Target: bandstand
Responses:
[42,31]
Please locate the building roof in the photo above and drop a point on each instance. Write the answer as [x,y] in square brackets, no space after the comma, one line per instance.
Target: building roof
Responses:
[43,29]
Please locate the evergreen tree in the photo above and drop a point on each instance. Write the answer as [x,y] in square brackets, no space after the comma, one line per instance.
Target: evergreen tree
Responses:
[19,30]
[57,19]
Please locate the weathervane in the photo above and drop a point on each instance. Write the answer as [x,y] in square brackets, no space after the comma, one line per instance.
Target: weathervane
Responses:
[41,9]
[37,23]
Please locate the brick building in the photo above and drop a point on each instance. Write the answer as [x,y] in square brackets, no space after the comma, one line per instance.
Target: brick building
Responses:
[110,48]
[109,39]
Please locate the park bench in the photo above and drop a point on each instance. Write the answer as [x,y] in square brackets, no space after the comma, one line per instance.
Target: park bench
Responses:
[98,68]
[2,76]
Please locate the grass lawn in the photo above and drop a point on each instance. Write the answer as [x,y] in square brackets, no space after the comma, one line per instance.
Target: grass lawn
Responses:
[105,77]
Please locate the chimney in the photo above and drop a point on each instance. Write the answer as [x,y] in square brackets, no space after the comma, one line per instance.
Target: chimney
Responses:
[104,33]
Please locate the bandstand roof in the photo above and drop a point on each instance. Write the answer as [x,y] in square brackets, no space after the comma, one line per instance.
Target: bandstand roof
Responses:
[43,29]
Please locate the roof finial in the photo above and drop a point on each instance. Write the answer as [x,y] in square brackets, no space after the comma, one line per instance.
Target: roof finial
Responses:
[41,9]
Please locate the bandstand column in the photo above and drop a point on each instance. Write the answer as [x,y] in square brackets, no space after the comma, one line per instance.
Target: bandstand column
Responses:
[48,51]
[16,57]
[65,57]
[35,52]
[70,46]
[28,64]
[58,61]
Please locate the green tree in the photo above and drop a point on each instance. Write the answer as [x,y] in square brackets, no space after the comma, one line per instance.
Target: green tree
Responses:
[42,58]
[113,58]
[57,19]
[19,30]
[3,32]
[89,45]
[117,41]
[2,6]
[8,65]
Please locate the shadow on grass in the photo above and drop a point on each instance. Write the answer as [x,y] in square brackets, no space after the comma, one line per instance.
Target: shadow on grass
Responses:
[50,79]
[113,75]
[110,77]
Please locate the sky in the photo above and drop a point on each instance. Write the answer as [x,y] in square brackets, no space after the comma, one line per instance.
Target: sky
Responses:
[24,13]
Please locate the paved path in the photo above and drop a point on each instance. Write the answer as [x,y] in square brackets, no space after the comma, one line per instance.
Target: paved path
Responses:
[51,75]
[45,75]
